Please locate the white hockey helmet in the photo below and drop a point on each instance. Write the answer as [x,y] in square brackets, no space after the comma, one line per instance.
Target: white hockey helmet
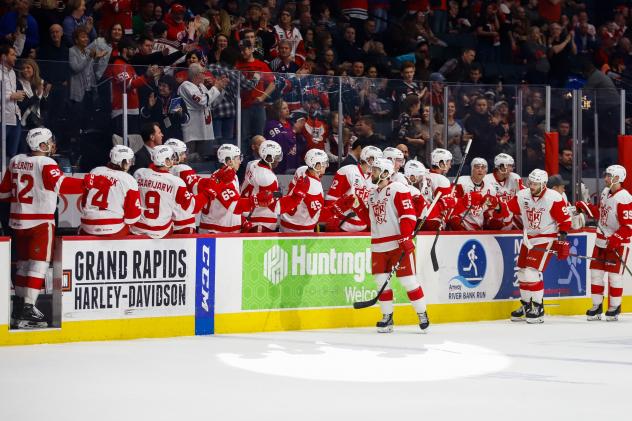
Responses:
[384,165]
[120,153]
[616,171]
[160,154]
[479,161]
[393,154]
[415,168]
[37,136]
[369,152]
[314,157]
[503,159]
[539,176]
[440,155]
[228,151]
[177,145]
[270,151]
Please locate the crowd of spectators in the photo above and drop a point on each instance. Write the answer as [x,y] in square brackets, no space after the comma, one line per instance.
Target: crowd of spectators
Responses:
[187,65]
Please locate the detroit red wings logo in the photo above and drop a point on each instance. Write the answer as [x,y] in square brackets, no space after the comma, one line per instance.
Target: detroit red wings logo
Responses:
[379,211]
[534,217]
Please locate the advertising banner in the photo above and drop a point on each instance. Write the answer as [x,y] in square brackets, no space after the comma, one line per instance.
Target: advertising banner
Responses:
[205,286]
[308,273]
[132,278]
[483,268]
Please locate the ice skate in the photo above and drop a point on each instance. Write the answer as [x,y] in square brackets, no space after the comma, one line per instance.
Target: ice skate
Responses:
[386,324]
[594,313]
[18,303]
[518,315]
[424,322]
[31,318]
[612,315]
[535,313]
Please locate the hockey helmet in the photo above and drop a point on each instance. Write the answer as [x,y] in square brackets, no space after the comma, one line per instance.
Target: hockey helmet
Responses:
[228,151]
[616,171]
[270,151]
[539,176]
[120,153]
[479,161]
[161,154]
[314,157]
[385,166]
[440,155]
[370,152]
[415,168]
[503,160]
[393,154]
[36,137]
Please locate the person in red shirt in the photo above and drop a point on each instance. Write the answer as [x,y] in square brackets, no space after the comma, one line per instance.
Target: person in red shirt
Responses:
[125,80]
[176,27]
[116,11]
[253,115]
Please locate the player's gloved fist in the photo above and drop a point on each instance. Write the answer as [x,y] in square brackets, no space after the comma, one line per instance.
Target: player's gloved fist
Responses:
[447,202]
[615,241]
[246,226]
[333,225]
[225,174]
[208,191]
[474,198]
[406,245]
[492,201]
[262,199]
[343,204]
[562,248]
[99,182]
[301,187]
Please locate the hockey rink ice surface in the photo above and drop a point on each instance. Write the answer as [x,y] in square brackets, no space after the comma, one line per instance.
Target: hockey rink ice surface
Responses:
[565,369]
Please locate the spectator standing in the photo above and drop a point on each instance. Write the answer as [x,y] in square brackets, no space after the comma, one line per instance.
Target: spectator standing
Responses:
[35,102]
[285,30]
[20,29]
[143,21]
[115,35]
[561,50]
[11,112]
[483,132]
[199,96]
[55,68]
[125,80]
[348,48]
[279,129]
[458,69]
[161,107]
[77,18]
[407,86]
[253,116]
[535,52]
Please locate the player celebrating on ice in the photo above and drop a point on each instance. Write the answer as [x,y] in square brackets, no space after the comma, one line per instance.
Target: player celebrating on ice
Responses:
[355,180]
[224,213]
[614,218]
[110,212]
[507,184]
[263,180]
[392,218]
[167,204]
[32,184]
[477,201]
[310,210]
[397,158]
[545,218]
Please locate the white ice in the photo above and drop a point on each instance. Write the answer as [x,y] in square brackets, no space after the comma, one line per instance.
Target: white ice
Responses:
[565,369]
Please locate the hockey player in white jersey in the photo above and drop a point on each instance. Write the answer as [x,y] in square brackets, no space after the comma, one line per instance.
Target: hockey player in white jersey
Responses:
[353,180]
[262,179]
[507,184]
[311,210]
[436,181]
[32,184]
[614,218]
[180,168]
[110,212]
[546,220]
[164,197]
[415,171]
[255,143]
[224,213]
[392,219]
[477,201]
[397,158]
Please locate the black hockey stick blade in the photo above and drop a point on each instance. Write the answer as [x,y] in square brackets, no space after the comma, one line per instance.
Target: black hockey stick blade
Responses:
[433,252]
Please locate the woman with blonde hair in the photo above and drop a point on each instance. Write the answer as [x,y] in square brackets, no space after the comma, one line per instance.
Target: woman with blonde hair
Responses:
[36,95]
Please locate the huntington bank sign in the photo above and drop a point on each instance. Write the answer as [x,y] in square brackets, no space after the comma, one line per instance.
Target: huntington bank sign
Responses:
[300,273]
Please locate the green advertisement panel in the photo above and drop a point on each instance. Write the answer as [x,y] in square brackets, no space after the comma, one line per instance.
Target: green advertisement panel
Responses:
[306,273]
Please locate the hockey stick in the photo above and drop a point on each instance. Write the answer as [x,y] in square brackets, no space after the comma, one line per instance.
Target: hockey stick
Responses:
[433,251]
[579,256]
[615,251]
[346,218]
[364,304]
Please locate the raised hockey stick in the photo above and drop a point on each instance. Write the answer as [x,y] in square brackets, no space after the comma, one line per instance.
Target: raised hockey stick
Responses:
[433,251]
[615,251]
[364,304]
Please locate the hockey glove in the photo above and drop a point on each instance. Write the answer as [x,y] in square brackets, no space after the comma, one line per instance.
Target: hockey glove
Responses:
[99,182]
[562,247]
[342,205]
[225,174]
[406,245]
[615,241]
[301,187]
[586,208]
[262,199]
[473,199]
[491,201]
